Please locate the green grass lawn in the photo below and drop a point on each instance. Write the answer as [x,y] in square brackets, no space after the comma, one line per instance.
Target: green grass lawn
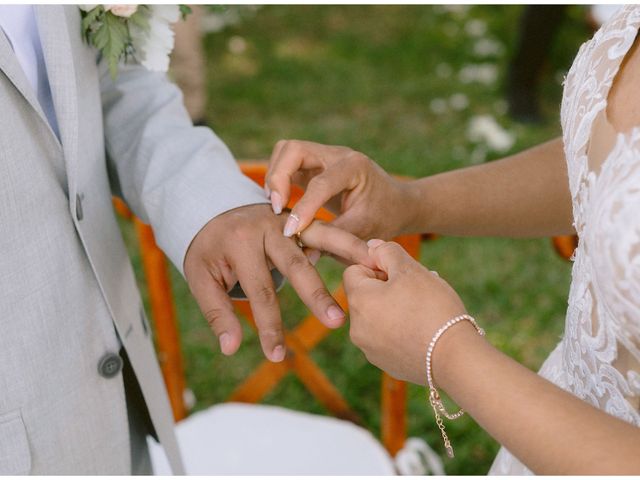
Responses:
[380,79]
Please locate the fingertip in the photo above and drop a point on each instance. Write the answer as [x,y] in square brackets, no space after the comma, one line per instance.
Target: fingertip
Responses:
[335,317]
[374,242]
[228,345]
[292,226]
[278,354]
[276,202]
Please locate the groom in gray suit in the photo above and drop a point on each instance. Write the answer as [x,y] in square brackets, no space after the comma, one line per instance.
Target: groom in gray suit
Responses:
[80,386]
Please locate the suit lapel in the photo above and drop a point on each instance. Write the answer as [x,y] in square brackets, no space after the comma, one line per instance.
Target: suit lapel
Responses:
[11,67]
[58,56]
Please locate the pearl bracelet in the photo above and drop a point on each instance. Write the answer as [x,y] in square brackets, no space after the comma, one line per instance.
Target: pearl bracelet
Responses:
[434,396]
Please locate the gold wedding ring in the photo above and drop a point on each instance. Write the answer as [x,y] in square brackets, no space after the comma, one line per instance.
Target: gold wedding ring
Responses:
[299,240]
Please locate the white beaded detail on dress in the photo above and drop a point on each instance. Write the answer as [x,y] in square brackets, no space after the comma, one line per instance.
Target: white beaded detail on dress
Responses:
[598,358]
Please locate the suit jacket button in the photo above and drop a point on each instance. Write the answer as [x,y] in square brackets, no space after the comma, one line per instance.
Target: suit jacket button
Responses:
[79,213]
[110,365]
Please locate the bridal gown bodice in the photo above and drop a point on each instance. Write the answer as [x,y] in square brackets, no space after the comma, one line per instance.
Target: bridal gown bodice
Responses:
[598,358]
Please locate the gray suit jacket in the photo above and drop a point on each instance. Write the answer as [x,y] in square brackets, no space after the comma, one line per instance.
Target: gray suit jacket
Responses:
[67,292]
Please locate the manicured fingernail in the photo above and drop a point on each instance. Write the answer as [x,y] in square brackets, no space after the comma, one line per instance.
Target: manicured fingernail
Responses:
[313,255]
[276,203]
[225,343]
[267,191]
[291,226]
[373,243]
[334,313]
[277,355]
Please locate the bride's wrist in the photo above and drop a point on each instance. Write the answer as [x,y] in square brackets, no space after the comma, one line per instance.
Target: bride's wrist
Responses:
[412,207]
[456,348]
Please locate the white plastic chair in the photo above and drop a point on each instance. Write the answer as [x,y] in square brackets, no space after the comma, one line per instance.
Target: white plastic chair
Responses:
[246,439]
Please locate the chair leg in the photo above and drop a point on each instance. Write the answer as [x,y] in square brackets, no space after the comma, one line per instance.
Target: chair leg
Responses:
[164,317]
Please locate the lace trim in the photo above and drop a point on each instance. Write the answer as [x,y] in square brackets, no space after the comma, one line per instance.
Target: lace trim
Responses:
[603,316]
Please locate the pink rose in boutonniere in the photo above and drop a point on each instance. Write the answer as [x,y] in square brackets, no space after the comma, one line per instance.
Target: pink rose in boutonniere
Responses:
[141,32]
[122,10]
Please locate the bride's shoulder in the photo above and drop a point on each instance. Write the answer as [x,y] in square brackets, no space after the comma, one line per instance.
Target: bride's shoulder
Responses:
[623,106]
[612,50]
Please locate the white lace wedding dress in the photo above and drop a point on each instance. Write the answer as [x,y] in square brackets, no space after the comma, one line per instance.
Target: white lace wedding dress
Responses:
[598,358]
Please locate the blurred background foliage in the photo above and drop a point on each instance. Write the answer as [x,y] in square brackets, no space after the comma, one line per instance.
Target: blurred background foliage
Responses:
[404,85]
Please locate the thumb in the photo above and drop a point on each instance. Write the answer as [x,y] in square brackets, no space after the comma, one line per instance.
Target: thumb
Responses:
[356,276]
[390,257]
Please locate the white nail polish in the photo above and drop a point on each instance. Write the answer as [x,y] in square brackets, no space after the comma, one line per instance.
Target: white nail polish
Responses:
[291,226]
[276,203]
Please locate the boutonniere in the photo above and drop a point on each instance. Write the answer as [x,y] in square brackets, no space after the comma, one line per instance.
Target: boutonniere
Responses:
[141,32]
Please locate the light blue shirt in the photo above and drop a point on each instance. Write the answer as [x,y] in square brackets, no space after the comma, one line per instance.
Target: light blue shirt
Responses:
[21,29]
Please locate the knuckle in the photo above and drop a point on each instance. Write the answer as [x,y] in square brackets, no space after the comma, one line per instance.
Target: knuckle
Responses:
[298,261]
[320,294]
[277,176]
[214,316]
[319,182]
[242,232]
[266,295]
[293,147]
[358,159]
[281,143]
[271,334]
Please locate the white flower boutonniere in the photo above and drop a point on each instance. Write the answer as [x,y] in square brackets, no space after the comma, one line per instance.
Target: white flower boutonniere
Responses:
[142,32]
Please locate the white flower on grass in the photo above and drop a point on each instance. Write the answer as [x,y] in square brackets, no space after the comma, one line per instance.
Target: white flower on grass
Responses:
[237,45]
[484,128]
[154,45]
[485,73]
[122,10]
[487,47]
[460,10]
[458,101]
[476,27]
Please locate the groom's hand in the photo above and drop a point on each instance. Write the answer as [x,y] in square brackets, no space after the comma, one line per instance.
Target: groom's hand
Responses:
[241,245]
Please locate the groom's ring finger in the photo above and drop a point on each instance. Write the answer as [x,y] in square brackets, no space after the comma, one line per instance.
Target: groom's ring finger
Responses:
[338,243]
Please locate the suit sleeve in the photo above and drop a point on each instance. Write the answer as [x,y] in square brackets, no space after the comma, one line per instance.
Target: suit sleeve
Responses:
[173,175]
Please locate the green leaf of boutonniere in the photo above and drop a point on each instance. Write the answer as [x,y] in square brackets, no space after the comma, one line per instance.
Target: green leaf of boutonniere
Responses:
[111,38]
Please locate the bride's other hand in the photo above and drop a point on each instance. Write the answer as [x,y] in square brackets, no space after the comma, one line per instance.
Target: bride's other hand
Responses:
[393,319]
[368,202]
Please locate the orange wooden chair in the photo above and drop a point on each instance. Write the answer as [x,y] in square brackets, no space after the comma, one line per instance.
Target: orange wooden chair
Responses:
[300,341]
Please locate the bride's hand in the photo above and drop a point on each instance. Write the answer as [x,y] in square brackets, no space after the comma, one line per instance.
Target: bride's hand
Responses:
[393,319]
[368,201]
